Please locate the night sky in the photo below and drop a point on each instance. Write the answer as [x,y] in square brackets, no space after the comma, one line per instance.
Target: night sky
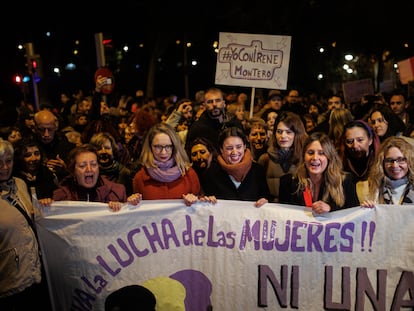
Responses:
[362,26]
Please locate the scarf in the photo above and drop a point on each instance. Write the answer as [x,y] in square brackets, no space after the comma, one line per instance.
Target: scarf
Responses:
[281,156]
[8,187]
[389,189]
[165,171]
[238,170]
[112,172]
[29,176]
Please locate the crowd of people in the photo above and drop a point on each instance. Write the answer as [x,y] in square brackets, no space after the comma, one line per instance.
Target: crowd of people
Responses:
[311,151]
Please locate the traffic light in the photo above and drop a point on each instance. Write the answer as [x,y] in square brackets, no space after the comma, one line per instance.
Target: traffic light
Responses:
[18,79]
[33,62]
[34,67]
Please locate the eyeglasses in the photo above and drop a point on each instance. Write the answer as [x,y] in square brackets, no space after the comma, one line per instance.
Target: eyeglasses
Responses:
[391,161]
[160,148]
[212,101]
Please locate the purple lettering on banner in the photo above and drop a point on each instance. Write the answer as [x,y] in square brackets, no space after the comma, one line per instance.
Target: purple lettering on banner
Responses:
[330,229]
[297,236]
[314,232]
[347,231]
[137,252]
[210,241]
[284,245]
[123,262]
[153,237]
[281,289]
[199,236]
[268,235]
[345,290]
[168,233]
[187,233]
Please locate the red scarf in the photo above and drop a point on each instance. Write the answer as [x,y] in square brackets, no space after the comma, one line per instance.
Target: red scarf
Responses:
[238,170]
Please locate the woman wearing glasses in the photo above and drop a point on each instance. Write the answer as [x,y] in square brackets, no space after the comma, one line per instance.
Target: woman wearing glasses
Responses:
[166,171]
[391,178]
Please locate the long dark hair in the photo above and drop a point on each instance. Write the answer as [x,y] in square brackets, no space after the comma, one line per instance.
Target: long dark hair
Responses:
[395,124]
[233,131]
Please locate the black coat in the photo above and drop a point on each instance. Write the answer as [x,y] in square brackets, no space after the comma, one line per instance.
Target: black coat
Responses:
[215,181]
[288,194]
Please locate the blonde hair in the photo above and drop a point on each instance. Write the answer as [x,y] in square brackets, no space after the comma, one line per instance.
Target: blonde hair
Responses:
[376,174]
[333,175]
[178,153]
[6,148]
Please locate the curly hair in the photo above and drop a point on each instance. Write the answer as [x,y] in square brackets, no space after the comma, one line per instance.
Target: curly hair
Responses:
[376,175]
[333,175]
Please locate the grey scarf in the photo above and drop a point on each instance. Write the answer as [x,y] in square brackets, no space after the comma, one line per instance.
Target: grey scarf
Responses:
[391,184]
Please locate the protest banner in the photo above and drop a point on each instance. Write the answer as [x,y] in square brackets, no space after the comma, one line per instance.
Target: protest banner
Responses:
[230,256]
[253,60]
[355,90]
[406,70]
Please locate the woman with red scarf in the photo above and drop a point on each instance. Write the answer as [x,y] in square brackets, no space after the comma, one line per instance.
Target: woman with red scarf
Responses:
[235,176]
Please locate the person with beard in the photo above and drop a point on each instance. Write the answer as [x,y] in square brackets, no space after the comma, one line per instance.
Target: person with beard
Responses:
[257,133]
[213,119]
[109,165]
[85,183]
[30,167]
[284,151]
[202,153]
[234,175]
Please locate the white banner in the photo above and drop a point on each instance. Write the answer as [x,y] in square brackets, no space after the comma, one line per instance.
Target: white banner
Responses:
[253,60]
[231,256]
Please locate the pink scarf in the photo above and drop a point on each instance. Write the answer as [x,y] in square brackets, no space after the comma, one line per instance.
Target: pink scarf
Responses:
[165,171]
